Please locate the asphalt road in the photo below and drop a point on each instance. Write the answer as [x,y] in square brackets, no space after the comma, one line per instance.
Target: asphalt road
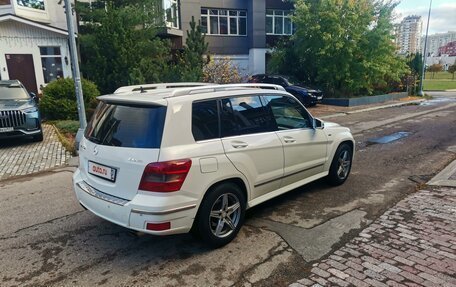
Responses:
[46,238]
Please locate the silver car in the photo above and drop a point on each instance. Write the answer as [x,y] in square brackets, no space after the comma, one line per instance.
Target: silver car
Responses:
[19,113]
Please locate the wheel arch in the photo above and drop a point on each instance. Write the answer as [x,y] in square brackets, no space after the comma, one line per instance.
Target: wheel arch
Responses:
[235,180]
[332,150]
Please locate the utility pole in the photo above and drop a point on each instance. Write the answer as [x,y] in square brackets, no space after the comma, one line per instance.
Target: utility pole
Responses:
[76,73]
[420,92]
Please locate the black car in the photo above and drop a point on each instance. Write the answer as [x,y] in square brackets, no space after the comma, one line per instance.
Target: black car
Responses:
[307,95]
[19,113]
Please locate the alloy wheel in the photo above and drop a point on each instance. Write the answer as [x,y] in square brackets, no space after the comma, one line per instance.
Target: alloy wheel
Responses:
[344,164]
[225,215]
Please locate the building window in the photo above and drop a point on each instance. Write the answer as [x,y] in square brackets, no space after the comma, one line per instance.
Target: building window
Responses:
[224,22]
[171,8]
[5,2]
[34,4]
[51,61]
[278,22]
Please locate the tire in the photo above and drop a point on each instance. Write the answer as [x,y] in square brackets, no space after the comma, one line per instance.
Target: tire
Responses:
[340,165]
[221,214]
[38,137]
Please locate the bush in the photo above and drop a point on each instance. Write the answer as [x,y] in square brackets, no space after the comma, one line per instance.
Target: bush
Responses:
[221,71]
[67,127]
[59,99]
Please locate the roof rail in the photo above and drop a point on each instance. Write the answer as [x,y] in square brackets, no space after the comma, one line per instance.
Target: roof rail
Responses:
[146,87]
[226,87]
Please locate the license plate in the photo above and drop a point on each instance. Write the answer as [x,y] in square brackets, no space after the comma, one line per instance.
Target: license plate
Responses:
[102,171]
[5,130]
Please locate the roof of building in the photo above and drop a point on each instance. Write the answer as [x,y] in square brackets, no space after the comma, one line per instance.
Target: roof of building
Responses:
[12,17]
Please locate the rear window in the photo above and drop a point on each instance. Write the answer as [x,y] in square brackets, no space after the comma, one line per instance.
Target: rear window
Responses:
[127,126]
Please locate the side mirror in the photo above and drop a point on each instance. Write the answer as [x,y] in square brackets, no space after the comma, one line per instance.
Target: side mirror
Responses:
[318,124]
[34,97]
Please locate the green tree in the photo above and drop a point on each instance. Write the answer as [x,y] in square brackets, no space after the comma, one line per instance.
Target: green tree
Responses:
[119,44]
[344,46]
[435,68]
[415,63]
[192,57]
[452,69]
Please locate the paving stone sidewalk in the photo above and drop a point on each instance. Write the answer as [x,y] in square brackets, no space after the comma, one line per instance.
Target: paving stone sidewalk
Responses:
[412,244]
[22,157]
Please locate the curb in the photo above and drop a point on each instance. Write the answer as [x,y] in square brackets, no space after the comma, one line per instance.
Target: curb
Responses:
[373,109]
[65,143]
[444,178]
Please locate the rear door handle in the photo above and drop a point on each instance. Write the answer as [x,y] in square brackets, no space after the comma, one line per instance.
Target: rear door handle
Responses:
[239,144]
[289,140]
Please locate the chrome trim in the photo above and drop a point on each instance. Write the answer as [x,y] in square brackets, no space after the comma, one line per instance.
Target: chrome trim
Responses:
[164,212]
[12,118]
[291,174]
[101,195]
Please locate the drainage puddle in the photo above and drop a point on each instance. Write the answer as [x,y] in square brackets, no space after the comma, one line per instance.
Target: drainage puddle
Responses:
[389,138]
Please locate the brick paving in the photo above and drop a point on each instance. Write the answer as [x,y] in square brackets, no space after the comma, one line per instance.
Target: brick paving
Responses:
[22,156]
[412,244]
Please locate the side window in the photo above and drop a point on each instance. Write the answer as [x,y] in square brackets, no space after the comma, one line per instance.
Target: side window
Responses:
[245,115]
[288,113]
[205,124]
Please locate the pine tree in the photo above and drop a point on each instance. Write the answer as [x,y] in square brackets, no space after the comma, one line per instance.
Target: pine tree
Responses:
[192,58]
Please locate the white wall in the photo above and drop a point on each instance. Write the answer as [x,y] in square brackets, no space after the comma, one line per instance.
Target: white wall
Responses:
[18,38]
[257,61]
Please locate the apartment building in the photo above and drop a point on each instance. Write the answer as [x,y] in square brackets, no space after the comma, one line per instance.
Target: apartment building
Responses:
[448,49]
[408,35]
[33,42]
[435,41]
[243,30]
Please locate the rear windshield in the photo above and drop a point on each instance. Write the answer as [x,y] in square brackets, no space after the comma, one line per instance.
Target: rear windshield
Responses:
[127,126]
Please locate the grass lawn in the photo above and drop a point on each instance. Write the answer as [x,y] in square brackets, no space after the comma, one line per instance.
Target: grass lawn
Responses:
[438,85]
[439,76]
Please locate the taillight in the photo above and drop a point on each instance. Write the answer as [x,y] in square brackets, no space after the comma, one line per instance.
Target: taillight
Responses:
[165,176]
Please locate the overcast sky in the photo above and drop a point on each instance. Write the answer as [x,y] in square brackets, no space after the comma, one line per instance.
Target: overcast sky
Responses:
[443,13]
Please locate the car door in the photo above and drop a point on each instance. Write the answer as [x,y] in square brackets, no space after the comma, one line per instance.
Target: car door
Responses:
[304,147]
[250,142]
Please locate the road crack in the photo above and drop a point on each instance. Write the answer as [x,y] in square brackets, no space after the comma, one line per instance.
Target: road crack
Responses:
[276,250]
[38,224]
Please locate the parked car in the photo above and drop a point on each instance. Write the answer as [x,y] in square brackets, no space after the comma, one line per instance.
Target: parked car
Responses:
[19,113]
[172,161]
[305,94]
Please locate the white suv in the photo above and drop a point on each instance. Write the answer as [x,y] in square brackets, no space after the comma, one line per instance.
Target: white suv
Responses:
[173,160]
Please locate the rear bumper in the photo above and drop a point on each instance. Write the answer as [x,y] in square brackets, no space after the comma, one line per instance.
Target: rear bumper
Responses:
[136,213]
